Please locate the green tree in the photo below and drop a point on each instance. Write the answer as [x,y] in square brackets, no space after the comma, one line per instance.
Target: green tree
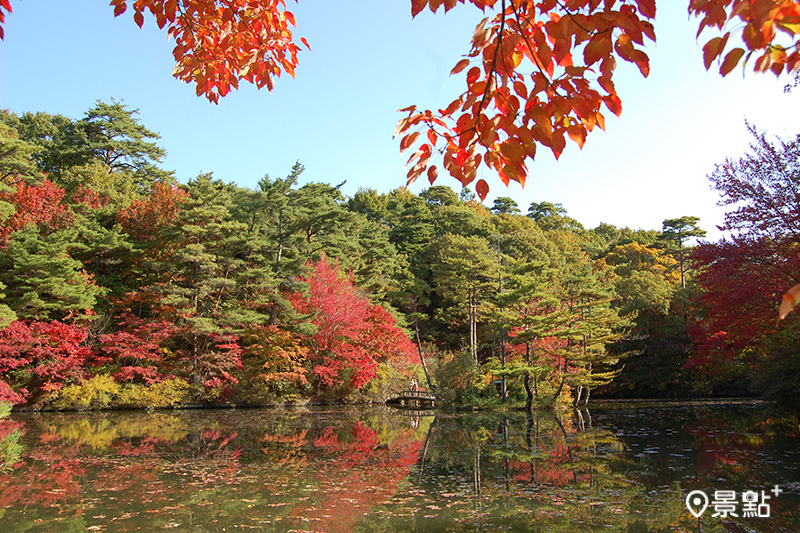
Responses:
[505,205]
[552,216]
[7,315]
[16,162]
[676,232]
[59,142]
[369,203]
[591,325]
[115,137]
[465,272]
[43,281]
[439,196]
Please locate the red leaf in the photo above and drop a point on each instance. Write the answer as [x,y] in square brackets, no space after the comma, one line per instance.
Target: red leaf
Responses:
[432,137]
[647,8]
[731,60]
[408,140]
[613,104]
[473,75]
[433,173]
[713,49]
[482,188]
[119,9]
[417,6]
[461,65]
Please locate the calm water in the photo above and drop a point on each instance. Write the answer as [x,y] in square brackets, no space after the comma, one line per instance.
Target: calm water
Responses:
[613,468]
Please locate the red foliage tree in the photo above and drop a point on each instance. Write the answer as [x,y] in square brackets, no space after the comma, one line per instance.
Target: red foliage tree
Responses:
[40,205]
[43,356]
[136,348]
[741,281]
[274,355]
[145,218]
[353,336]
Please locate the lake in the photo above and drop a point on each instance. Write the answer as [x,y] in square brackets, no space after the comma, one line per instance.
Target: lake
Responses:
[613,467]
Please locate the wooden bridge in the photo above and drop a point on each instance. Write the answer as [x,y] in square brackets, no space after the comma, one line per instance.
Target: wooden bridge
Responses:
[413,399]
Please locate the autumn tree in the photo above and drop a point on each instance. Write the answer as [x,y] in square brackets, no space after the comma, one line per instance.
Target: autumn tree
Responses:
[537,73]
[761,255]
[352,336]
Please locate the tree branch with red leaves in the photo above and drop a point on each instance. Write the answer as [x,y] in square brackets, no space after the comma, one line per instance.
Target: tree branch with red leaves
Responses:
[541,71]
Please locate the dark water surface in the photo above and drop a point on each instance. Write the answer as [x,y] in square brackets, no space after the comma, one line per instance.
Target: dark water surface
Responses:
[618,467]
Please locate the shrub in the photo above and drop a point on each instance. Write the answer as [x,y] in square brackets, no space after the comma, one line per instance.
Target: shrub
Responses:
[94,393]
[170,393]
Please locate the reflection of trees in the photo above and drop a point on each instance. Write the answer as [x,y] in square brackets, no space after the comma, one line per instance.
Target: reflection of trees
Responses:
[381,471]
[206,471]
[525,472]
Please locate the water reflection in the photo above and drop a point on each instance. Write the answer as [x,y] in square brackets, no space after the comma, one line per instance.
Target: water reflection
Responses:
[624,469]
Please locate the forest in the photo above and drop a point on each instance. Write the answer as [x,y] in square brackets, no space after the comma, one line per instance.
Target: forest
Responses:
[122,285]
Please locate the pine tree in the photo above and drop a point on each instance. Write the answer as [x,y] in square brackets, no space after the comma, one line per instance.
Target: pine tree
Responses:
[43,281]
[465,273]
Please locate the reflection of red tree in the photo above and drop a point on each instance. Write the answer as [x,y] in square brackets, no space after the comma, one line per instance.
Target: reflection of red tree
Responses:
[49,485]
[130,471]
[7,427]
[720,449]
[359,475]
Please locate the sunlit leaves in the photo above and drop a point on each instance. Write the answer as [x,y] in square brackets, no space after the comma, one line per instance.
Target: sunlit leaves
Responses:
[768,28]
[218,44]
[5,5]
[537,74]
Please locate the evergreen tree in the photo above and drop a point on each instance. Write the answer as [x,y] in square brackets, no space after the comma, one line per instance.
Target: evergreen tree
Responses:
[505,205]
[7,315]
[465,273]
[116,138]
[59,142]
[43,282]
[16,164]
[676,231]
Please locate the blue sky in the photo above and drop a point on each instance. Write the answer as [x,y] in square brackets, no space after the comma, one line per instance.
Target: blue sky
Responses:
[337,116]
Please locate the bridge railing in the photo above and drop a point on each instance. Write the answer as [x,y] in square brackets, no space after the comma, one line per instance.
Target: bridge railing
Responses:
[417,394]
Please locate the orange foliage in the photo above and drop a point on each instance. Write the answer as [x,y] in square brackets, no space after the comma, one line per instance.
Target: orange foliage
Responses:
[539,72]
[40,205]
[145,218]
[217,44]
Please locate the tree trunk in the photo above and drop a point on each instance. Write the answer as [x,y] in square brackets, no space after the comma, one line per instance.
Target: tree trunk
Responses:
[504,384]
[563,381]
[473,326]
[528,392]
[422,358]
